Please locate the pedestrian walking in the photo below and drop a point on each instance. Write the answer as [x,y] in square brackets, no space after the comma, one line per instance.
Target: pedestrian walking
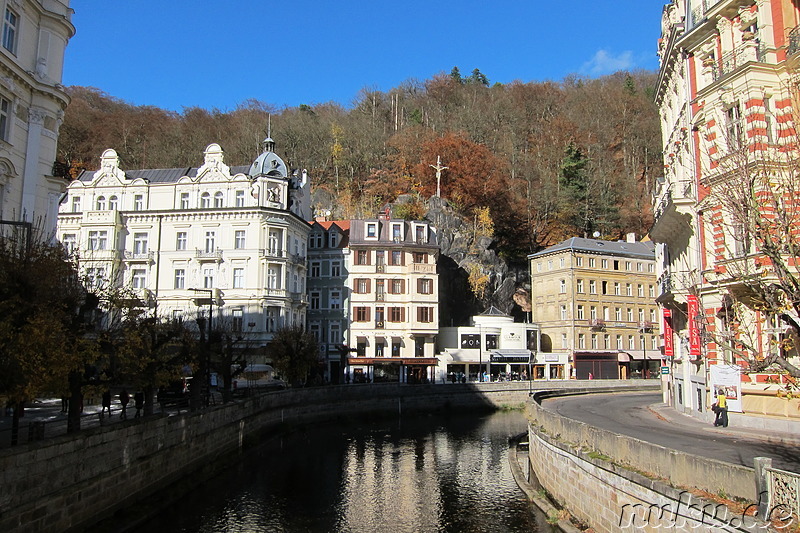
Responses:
[106,401]
[124,398]
[138,402]
[722,408]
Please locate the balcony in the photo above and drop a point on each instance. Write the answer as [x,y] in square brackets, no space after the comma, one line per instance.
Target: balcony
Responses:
[645,326]
[671,216]
[274,293]
[142,257]
[748,52]
[422,268]
[298,297]
[597,323]
[209,255]
[270,252]
[794,42]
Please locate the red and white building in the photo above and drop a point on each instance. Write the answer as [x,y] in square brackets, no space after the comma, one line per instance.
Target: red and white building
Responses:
[725,93]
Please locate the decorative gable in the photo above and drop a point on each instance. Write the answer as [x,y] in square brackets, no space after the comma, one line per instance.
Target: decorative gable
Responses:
[214,167]
[109,174]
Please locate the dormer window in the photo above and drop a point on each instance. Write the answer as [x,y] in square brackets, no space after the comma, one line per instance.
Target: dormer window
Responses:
[315,240]
[420,233]
[397,232]
[333,239]
[372,230]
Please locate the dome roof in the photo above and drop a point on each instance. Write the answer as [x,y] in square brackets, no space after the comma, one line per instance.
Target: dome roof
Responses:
[268,163]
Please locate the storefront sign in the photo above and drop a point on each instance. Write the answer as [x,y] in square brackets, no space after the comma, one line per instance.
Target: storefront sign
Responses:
[669,347]
[693,310]
[665,370]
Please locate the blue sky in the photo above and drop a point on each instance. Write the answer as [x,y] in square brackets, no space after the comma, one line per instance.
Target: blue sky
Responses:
[183,53]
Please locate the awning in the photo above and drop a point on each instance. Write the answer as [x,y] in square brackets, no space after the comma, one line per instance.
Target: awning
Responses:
[510,356]
[639,355]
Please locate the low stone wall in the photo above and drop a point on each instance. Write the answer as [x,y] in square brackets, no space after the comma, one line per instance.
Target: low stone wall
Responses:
[573,462]
[70,482]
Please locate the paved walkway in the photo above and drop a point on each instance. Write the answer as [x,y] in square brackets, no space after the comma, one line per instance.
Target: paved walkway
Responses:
[644,417]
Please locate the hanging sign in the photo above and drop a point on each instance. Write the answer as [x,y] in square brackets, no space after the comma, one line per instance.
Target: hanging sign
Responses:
[669,346]
[693,310]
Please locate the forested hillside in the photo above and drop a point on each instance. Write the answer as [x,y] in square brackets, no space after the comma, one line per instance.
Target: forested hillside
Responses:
[548,159]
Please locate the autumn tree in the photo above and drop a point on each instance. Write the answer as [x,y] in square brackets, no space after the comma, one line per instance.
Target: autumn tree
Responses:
[294,353]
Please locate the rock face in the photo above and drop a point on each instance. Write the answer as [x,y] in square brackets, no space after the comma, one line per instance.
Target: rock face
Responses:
[463,251]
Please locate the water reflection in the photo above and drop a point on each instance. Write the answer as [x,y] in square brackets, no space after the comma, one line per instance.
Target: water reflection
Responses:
[423,474]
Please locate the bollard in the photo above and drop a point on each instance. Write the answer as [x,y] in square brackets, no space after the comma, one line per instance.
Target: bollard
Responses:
[761,464]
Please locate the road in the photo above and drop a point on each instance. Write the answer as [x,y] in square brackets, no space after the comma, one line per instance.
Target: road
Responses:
[643,416]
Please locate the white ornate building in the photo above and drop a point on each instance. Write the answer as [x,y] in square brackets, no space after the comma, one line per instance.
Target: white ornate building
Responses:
[32,104]
[231,237]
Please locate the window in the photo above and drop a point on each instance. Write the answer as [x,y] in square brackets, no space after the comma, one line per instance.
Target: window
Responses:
[273,319]
[564,343]
[562,286]
[592,287]
[95,276]
[562,262]
[594,341]
[563,312]
[579,286]
[395,348]
[616,264]
[362,257]
[139,243]
[425,314]
[420,232]
[641,315]
[335,333]
[420,258]
[604,264]
[10,23]
[113,203]
[208,278]
[138,202]
[580,312]
[605,287]
[639,267]
[616,288]
[550,264]
[138,278]
[492,342]
[579,261]
[651,268]
[101,203]
[362,314]
[362,286]
[397,286]
[314,300]
[274,277]
[239,198]
[205,200]
[218,199]
[628,289]
[397,257]
[70,242]
[631,342]
[315,240]
[618,314]
[210,241]
[619,342]
[606,341]
[640,290]
[336,299]
[630,314]
[237,320]
[538,267]
[315,270]
[397,314]
[605,314]
[628,266]
[336,269]
[333,239]
[734,127]
[651,291]
[184,200]
[275,242]
[180,278]
[372,230]
[181,239]
[380,258]
[238,239]
[397,232]
[425,286]
[98,240]
[593,313]
[653,316]
[238,278]
[592,262]
[76,200]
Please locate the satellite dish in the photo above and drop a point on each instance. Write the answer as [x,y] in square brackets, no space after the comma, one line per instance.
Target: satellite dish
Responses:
[596,234]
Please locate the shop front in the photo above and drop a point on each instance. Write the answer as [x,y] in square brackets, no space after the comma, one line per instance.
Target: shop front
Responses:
[412,370]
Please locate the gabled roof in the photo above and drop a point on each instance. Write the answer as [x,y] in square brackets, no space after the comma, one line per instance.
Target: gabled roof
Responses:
[162,175]
[642,250]
[493,311]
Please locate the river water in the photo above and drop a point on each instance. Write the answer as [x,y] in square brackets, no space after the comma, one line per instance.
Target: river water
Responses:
[417,474]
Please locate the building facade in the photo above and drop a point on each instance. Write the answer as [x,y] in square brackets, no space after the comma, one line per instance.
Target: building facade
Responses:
[493,347]
[230,241]
[595,303]
[32,103]
[394,297]
[726,93]
[329,293]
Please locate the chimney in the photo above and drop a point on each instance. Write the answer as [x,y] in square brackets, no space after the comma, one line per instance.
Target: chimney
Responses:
[630,237]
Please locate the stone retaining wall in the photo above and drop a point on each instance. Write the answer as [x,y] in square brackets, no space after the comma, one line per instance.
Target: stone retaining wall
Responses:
[573,462]
[70,482]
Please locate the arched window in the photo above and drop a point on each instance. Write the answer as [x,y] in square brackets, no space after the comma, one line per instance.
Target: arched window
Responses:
[218,199]
[101,203]
[205,200]
[112,203]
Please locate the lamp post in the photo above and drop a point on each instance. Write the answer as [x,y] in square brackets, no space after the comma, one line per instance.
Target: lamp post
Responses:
[208,338]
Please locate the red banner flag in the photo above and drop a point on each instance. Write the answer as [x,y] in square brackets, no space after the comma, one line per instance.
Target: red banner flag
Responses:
[669,347]
[693,310]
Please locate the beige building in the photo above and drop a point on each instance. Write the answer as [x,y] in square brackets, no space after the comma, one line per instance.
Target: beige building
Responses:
[394,300]
[595,303]
[32,104]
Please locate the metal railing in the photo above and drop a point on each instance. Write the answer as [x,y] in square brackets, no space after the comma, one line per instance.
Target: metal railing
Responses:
[794,41]
[739,56]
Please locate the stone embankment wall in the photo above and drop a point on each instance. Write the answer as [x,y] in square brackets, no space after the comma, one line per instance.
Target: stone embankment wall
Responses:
[578,465]
[71,482]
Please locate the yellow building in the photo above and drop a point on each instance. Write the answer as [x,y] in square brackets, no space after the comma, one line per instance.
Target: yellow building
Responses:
[595,303]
